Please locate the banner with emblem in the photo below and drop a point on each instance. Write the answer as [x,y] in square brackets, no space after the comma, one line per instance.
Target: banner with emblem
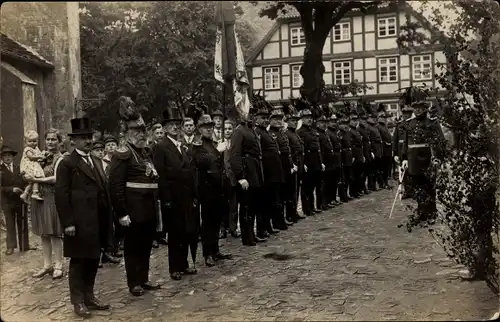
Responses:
[229,62]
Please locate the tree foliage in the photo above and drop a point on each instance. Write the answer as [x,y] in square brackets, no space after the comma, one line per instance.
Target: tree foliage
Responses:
[468,174]
[158,53]
[317,19]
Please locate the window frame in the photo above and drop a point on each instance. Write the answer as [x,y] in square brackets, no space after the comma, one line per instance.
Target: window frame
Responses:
[343,68]
[413,73]
[277,73]
[299,38]
[291,76]
[380,66]
[387,25]
[349,29]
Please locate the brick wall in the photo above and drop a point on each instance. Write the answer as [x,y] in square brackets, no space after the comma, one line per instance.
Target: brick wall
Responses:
[52,29]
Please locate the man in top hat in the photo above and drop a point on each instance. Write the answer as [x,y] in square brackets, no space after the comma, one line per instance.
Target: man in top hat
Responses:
[367,154]
[274,177]
[397,145]
[358,159]
[81,200]
[12,185]
[347,190]
[297,154]
[133,189]
[328,155]
[218,118]
[386,159]
[208,159]
[423,140]
[177,190]
[333,177]
[313,161]
[245,161]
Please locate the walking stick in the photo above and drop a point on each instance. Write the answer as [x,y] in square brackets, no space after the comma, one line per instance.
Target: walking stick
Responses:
[21,233]
[398,191]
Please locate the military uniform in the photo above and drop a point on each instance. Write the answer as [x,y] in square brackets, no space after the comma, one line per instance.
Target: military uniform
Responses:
[245,161]
[297,153]
[274,177]
[328,155]
[358,162]
[333,177]
[376,148]
[313,161]
[365,134]
[398,143]
[423,138]
[385,163]
[346,175]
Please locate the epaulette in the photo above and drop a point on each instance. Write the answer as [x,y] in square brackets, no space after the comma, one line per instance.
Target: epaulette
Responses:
[122,153]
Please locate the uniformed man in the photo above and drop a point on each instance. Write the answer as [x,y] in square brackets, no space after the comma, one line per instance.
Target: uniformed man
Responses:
[397,145]
[346,142]
[133,188]
[286,189]
[376,150]
[245,160]
[358,160]
[208,159]
[313,161]
[327,153]
[218,118]
[297,151]
[272,209]
[423,140]
[334,176]
[367,151]
[386,159]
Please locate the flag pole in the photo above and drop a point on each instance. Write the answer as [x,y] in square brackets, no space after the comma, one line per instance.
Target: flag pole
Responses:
[225,76]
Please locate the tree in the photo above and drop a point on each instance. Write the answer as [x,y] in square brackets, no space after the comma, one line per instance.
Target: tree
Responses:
[317,19]
[468,175]
[158,53]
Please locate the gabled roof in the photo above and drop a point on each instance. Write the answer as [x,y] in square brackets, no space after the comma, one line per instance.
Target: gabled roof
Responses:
[292,15]
[16,50]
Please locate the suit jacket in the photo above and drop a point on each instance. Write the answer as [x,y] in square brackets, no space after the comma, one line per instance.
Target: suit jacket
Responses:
[82,200]
[210,167]
[10,180]
[228,172]
[177,186]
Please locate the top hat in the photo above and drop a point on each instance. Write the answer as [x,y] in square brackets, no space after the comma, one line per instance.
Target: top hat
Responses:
[110,138]
[204,120]
[171,115]
[97,145]
[81,126]
[7,149]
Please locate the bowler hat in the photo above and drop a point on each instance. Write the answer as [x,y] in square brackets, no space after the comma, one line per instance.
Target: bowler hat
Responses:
[171,115]
[81,126]
[204,120]
[7,149]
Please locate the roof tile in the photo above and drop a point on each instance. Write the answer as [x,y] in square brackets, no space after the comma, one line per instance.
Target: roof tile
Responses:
[10,47]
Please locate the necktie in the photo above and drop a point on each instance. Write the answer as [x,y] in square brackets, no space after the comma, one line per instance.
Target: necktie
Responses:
[88,160]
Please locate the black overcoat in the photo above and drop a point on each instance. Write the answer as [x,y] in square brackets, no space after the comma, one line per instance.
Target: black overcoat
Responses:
[82,201]
[177,187]
[245,156]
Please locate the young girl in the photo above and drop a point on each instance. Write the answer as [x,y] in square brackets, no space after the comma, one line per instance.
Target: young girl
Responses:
[30,165]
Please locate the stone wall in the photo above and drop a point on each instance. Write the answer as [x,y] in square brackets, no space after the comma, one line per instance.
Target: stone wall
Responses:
[52,30]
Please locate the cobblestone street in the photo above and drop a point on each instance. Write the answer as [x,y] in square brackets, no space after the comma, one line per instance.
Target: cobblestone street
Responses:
[351,263]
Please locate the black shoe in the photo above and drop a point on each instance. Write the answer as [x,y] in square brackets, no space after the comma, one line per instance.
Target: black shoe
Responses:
[162,241]
[150,286]
[235,234]
[259,240]
[82,311]
[220,255]
[299,216]
[317,211]
[190,271]
[209,261]
[249,243]
[263,234]
[137,291]
[107,258]
[155,244]
[176,276]
[9,251]
[288,223]
[118,254]
[271,231]
[281,226]
[97,305]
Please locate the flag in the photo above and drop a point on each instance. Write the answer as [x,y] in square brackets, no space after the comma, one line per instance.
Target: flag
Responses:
[229,62]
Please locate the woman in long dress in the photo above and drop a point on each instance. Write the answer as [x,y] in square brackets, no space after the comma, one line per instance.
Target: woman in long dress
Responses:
[44,219]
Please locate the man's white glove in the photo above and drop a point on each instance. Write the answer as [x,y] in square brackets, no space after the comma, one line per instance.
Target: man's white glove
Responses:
[124,221]
[404,165]
[373,156]
[244,184]
[294,168]
[396,158]
[323,167]
[305,168]
[222,146]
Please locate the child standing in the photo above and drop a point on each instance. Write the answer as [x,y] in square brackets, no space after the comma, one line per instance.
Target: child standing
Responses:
[30,165]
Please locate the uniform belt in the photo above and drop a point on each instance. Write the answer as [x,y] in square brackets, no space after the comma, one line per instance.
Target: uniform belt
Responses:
[347,149]
[401,141]
[253,156]
[421,145]
[140,185]
[387,143]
